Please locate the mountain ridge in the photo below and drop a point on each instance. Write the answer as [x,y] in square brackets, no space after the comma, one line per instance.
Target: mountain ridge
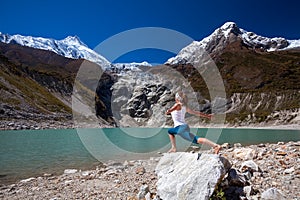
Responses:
[226,34]
[70,47]
[73,47]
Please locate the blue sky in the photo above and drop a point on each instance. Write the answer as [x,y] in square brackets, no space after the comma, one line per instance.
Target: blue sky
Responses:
[94,21]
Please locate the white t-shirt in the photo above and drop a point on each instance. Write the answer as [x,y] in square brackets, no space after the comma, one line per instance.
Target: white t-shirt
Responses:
[178,116]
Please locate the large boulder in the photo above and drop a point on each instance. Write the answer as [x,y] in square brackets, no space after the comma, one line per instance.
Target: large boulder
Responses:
[187,176]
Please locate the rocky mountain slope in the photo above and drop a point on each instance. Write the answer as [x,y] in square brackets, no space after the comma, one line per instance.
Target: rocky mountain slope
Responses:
[261,82]
[260,76]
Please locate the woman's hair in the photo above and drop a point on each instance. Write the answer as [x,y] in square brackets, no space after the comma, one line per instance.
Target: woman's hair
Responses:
[181,97]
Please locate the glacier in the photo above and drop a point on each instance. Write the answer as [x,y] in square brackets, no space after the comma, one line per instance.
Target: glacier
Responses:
[70,47]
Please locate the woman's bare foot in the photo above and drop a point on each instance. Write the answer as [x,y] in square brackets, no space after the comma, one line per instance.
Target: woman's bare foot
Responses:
[217,149]
[172,150]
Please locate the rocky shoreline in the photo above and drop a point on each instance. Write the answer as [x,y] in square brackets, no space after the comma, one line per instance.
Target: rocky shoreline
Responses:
[69,124]
[33,125]
[275,171]
[48,124]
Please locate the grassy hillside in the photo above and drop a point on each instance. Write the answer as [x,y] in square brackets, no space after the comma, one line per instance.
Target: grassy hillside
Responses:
[29,80]
[38,84]
[22,93]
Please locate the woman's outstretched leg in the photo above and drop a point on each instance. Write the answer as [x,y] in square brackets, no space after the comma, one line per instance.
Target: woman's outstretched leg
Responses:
[216,147]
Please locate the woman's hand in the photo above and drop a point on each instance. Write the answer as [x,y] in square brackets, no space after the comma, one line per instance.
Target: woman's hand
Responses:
[209,116]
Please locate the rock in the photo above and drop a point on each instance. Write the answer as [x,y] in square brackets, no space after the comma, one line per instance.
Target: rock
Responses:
[225,146]
[131,198]
[54,198]
[247,175]
[144,190]
[157,198]
[272,194]
[140,170]
[70,171]
[244,153]
[85,173]
[27,180]
[110,172]
[289,171]
[115,165]
[261,145]
[234,193]
[67,182]
[281,153]
[11,124]
[117,181]
[235,178]
[280,143]
[248,190]
[47,175]
[128,164]
[182,176]
[237,145]
[249,165]
[148,196]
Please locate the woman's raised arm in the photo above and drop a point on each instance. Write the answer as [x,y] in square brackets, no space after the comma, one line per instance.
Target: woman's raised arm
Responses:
[197,113]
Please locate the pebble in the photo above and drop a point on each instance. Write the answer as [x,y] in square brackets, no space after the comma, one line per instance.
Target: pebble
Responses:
[27,180]
[70,171]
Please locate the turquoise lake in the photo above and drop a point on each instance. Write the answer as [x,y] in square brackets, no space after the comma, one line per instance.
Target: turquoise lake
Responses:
[31,153]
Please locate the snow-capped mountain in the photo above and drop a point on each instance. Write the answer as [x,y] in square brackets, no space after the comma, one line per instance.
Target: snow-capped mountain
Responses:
[226,34]
[70,47]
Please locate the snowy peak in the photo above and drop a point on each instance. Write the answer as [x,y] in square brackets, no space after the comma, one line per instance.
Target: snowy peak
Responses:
[73,40]
[70,47]
[226,34]
[227,28]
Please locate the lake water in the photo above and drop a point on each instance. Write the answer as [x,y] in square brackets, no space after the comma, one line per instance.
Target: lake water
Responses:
[30,153]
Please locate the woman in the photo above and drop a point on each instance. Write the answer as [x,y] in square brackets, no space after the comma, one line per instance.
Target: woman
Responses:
[181,127]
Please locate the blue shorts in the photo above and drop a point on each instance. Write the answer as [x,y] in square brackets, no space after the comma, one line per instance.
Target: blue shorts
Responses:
[184,132]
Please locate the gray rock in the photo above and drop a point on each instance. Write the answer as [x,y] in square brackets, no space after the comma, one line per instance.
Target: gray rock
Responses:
[70,171]
[244,153]
[248,190]
[144,190]
[272,194]
[182,176]
[249,165]
[27,180]
[236,178]
[289,171]
[247,175]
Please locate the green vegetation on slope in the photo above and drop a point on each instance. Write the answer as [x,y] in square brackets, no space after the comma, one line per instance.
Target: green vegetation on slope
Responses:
[22,91]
